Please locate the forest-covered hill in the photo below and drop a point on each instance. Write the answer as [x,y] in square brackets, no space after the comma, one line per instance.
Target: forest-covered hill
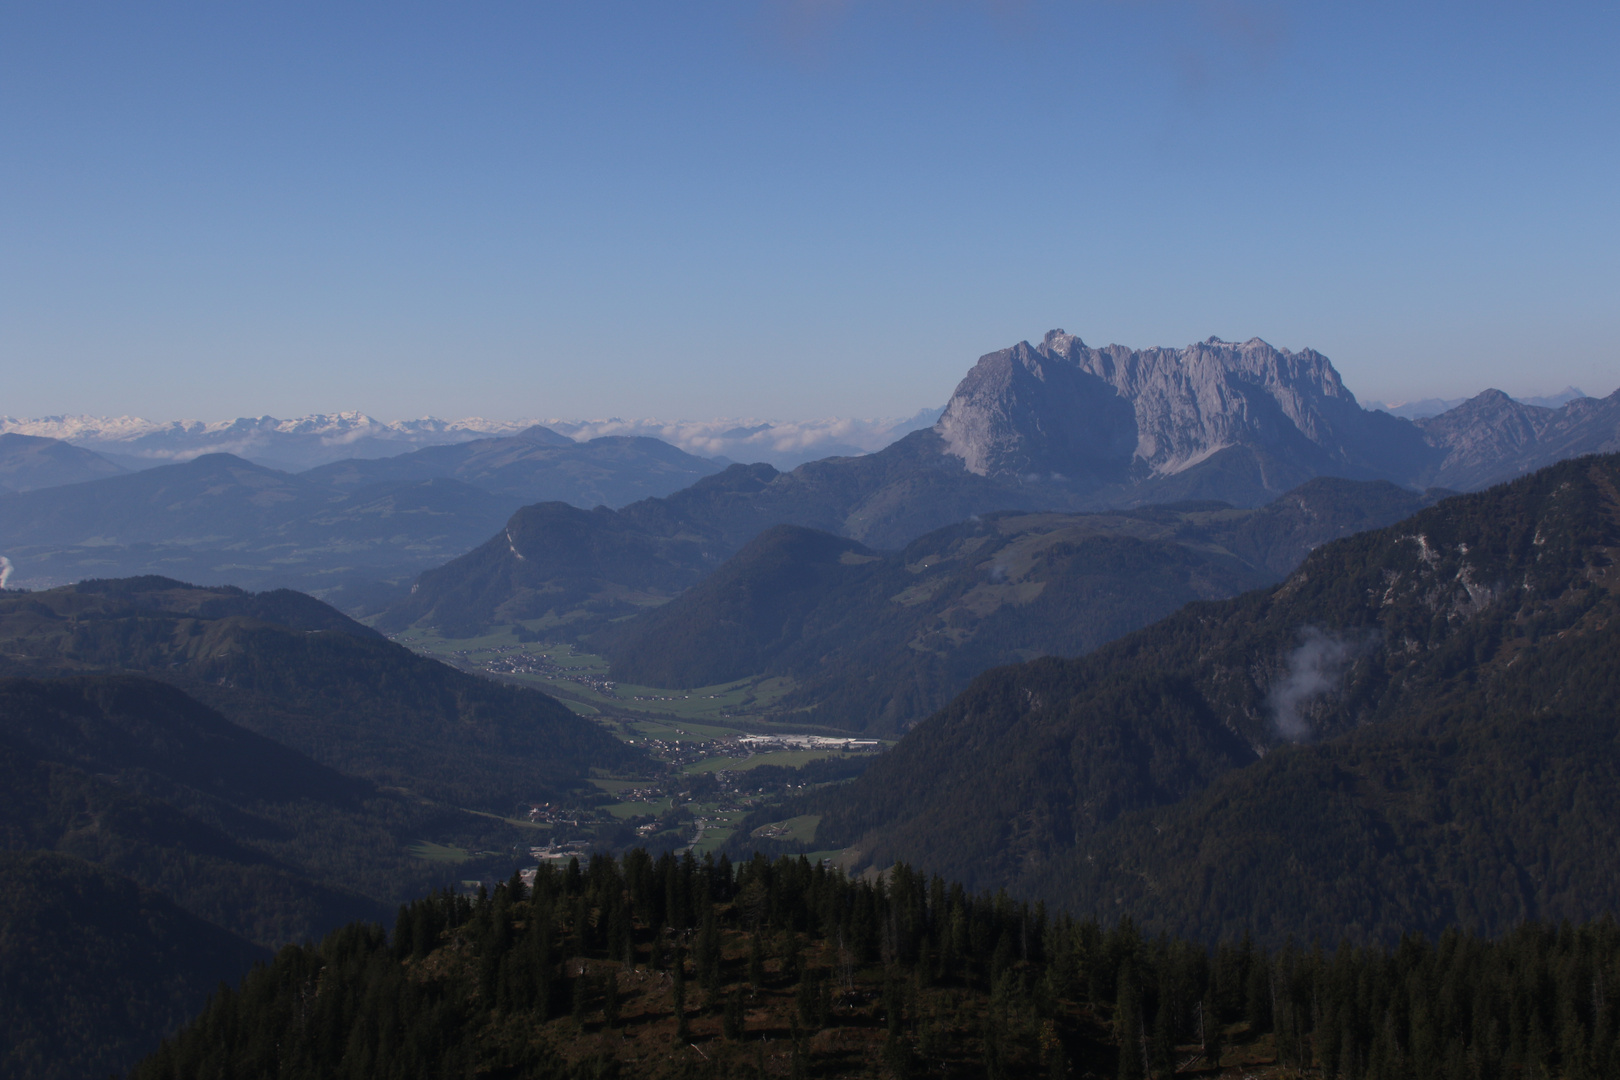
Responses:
[213,826]
[679,969]
[296,671]
[885,499]
[1417,728]
[134,775]
[877,641]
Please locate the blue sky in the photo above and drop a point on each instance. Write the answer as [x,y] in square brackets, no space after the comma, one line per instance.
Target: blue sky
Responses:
[788,208]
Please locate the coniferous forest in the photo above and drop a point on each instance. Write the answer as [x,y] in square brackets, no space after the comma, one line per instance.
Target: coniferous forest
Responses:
[675,967]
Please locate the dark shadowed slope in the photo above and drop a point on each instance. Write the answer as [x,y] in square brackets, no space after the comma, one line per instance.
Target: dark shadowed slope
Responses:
[233,830]
[342,695]
[95,970]
[154,737]
[134,775]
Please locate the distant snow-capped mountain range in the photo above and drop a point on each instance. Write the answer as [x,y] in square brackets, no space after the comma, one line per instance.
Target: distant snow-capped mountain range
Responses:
[318,439]
[308,441]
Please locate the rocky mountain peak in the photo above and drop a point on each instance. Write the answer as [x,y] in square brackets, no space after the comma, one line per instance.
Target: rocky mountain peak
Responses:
[1492,435]
[1064,410]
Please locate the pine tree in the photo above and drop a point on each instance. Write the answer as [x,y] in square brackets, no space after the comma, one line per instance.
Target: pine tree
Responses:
[683,1032]
[610,999]
[1128,1024]
[756,963]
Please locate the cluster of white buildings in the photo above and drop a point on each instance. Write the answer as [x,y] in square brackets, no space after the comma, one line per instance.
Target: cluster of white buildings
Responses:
[805,742]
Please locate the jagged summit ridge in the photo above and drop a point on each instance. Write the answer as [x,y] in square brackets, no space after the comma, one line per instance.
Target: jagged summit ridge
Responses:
[1062,409]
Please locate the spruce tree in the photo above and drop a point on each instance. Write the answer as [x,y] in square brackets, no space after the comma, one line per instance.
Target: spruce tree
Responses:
[1128,1024]
[756,963]
[683,1032]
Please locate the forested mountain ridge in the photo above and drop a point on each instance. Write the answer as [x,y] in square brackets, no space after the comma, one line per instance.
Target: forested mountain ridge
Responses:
[877,641]
[580,570]
[236,836]
[1459,612]
[319,683]
[136,776]
[95,970]
[552,561]
[676,969]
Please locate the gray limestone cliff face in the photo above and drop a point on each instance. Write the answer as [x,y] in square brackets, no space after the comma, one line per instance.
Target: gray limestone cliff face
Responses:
[1065,410]
[1028,412]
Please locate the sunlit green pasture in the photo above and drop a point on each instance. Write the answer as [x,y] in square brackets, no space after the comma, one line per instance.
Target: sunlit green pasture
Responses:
[428,851]
[800,830]
[626,810]
[788,758]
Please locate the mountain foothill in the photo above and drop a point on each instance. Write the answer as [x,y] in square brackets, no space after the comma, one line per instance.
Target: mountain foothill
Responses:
[876,641]
[297,671]
[1416,729]
[1190,660]
[355,532]
[30,461]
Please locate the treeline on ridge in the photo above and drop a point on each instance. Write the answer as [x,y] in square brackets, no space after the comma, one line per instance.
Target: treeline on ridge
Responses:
[677,967]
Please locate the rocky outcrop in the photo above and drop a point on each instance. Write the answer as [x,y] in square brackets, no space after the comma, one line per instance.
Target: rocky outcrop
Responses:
[1065,411]
[1028,411]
